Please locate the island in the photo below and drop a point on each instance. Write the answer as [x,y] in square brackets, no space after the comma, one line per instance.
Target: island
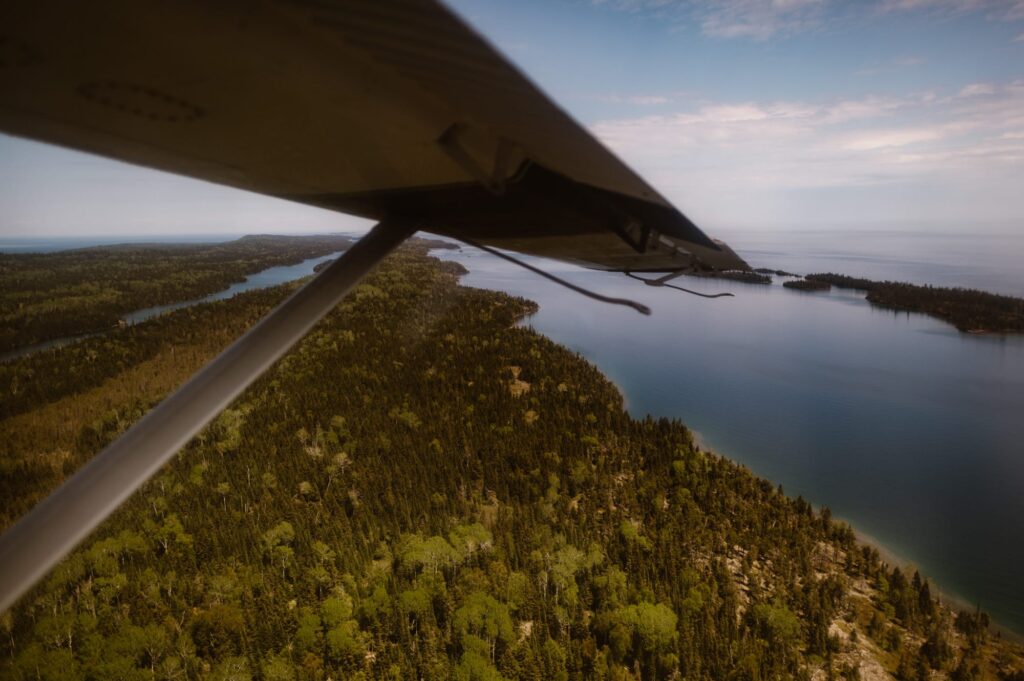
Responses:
[742,276]
[968,310]
[807,285]
[423,488]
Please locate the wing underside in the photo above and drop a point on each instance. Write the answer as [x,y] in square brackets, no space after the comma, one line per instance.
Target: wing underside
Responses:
[395,111]
[380,109]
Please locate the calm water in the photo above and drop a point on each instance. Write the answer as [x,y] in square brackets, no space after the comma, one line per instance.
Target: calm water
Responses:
[903,426]
[268,277]
[990,262]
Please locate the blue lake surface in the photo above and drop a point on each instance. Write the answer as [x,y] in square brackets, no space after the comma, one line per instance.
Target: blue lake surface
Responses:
[906,428]
[900,424]
[271,276]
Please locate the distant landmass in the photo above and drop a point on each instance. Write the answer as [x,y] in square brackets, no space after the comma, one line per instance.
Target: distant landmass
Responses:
[968,310]
[807,285]
[81,291]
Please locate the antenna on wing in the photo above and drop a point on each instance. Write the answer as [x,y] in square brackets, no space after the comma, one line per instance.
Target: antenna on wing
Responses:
[639,307]
[663,281]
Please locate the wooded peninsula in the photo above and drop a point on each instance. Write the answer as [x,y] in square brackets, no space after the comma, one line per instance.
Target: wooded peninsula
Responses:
[968,310]
[80,291]
[423,489]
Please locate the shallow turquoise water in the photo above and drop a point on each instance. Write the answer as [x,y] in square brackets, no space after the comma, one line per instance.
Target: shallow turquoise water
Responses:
[908,429]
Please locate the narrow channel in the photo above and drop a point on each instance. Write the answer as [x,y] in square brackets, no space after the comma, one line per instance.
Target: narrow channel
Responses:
[272,276]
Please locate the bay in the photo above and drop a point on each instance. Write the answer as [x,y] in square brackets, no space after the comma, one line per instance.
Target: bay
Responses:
[903,426]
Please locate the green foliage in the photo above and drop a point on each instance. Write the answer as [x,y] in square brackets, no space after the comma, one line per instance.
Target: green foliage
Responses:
[68,293]
[483,617]
[318,530]
[966,309]
[217,632]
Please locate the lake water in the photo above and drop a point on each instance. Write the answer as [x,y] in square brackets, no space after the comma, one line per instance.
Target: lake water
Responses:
[908,429]
[271,276]
[987,261]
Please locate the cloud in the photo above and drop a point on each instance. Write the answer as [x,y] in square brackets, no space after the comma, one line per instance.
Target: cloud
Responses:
[637,100]
[977,90]
[758,19]
[999,10]
[882,139]
[755,19]
[904,62]
[728,150]
[761,20]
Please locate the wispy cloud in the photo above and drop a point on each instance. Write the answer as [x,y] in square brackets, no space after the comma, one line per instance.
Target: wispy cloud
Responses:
[975,134]
[759,19]
[977,90]
[765,19]
[636,100]
[904,62]
[1010,10]
[755,19]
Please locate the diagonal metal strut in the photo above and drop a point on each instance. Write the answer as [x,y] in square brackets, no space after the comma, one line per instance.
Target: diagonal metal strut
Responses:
[31,547]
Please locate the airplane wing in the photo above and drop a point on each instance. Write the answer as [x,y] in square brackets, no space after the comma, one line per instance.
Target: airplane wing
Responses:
[390,109]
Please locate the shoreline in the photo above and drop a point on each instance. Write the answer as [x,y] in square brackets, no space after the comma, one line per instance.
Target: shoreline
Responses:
[950,600]
[889,556]
[947,599]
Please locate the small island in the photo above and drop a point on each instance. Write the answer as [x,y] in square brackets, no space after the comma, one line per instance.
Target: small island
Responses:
[808,285]
[779,273]
[744,276]
[969,310]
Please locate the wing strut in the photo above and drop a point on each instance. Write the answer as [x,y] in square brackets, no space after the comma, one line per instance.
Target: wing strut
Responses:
[30,548]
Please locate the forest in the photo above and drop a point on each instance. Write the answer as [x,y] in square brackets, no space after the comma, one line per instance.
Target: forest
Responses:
[74,292]
[968,310]
[752,277]
[424,489]
[807,285]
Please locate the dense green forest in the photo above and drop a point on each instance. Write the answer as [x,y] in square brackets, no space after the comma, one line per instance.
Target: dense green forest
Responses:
[753,277]
[966,309]
[807,285]
[74,292]
[423,489]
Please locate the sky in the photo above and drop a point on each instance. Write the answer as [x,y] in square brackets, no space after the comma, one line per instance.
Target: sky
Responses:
[747,114]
